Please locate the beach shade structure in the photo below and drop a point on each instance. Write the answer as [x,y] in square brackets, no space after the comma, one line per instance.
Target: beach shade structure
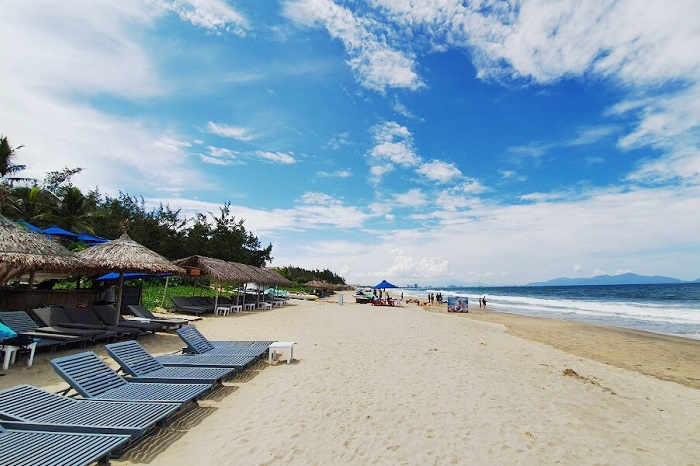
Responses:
[29,226]
[384,285]
[55,230]
[112,276]
[216,270]
[124,255]
[90,239]
[24,251]
[275,278]
[321,285]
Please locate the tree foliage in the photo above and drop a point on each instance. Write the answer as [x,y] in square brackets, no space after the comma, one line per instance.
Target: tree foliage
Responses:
[301,276]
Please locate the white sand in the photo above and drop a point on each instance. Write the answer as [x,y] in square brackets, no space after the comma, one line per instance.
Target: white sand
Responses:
[388,386]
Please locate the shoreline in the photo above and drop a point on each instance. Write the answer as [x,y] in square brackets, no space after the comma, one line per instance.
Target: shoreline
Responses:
[665,357]
[416,385]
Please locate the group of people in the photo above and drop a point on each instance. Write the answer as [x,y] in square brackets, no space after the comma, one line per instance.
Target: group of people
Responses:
[434,298]
[482,302]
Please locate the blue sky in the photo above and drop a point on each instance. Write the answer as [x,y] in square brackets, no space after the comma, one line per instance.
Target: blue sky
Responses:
[441,142]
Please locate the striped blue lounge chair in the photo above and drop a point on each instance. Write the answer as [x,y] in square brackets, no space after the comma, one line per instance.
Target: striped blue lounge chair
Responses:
[143,367]
[39,448]
[31,408]
[198,344]
[88,375]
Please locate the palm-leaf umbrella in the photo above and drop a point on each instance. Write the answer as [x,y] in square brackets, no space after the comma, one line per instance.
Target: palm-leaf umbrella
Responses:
[126,255]
[22,250]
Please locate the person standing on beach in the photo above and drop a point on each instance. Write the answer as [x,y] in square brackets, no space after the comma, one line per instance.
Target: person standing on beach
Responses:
[483,300]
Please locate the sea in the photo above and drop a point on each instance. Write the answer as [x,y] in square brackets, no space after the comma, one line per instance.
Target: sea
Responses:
[672,309]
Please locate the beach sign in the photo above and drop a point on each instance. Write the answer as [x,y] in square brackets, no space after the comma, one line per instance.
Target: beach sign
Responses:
[457,304]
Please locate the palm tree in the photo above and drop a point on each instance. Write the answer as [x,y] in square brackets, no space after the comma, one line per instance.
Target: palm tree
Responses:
[7,168]
[7,164]
[73,210]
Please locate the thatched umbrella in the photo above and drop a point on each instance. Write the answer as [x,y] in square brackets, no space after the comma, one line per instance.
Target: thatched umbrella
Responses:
[22,250]
[126,255]
[275,278]
[216,269]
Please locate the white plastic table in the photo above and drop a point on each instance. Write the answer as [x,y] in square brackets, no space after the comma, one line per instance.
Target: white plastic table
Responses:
[11,355]
[282,345]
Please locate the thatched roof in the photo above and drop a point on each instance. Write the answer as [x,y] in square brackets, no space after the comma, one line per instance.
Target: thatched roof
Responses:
[23,251]
[275,278]
[216,269]
[126,255]
[251,273]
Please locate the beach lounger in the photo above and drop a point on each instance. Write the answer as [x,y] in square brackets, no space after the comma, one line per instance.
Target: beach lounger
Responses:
[13,320]
[205,360]
[143,367]
[188,306]
[27,407]
[88,375]
[105,312]
[55,318]
[143,313]
[38,448]
[23,324]
[88,319]
[198,344]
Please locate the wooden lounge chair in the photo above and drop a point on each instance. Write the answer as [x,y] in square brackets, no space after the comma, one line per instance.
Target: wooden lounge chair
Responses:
[88,375]
[39,448]
[142,367]
[55,318]
[23,324]
[28,407]
[143,313]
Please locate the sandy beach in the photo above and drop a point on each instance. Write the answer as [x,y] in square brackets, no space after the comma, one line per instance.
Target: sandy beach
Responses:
[415,385]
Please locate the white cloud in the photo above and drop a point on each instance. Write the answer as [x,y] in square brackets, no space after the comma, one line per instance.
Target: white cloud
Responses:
[411,198]
[233,132]
[345,173]
[214,15]
[277,157]
[376,64]
[439,171]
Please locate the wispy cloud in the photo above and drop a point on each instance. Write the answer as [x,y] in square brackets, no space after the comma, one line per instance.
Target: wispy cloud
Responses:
[216,16]
[233,132]
[276,157]
[376,64]
[346,173]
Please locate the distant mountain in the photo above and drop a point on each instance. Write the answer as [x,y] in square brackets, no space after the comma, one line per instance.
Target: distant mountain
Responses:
[623,279]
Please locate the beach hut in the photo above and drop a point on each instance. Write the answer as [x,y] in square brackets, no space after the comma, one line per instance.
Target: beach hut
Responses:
[126,255]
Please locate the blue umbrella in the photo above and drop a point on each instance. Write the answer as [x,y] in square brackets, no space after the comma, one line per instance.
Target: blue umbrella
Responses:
[128,276]
[384,284]
[30,226]
[55,230]
[87,238]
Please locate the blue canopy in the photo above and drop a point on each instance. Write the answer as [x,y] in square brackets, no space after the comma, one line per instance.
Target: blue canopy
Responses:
[384,284]
[30,226]
[128,276]
[58,231]
[87,238]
